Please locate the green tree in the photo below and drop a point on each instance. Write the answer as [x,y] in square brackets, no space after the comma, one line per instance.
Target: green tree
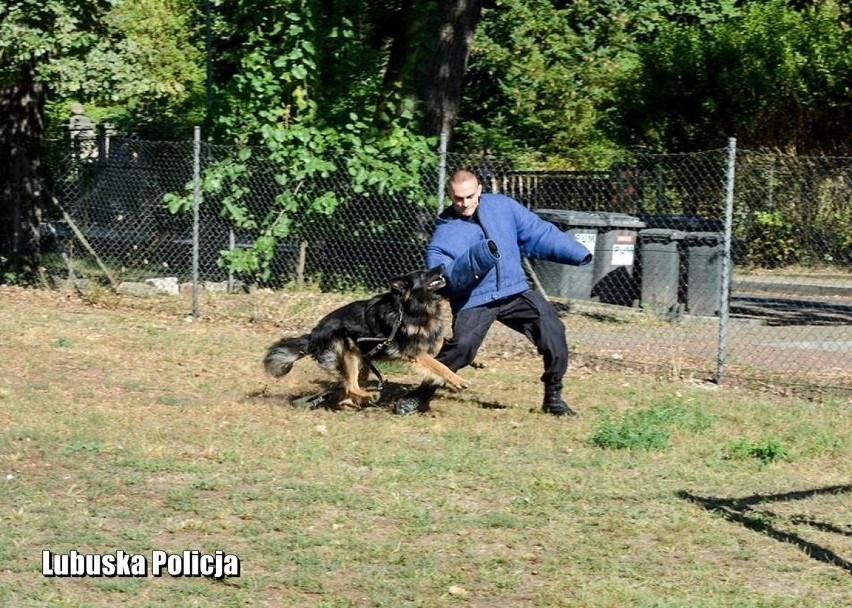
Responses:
[32,36]
[772,75]
[550,78]
[543,74]
[299,88]
[147,74]
[359,56]
[122,54]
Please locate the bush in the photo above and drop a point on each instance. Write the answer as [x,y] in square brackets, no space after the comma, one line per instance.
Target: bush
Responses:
[649,429]
[766,450]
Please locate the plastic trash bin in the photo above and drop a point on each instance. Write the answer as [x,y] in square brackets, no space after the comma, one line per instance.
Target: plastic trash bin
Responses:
[613,281]
[660,269]
[564,280]
[704,252]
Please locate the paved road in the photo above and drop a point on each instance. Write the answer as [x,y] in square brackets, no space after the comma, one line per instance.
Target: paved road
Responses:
[805,285]
[797,327]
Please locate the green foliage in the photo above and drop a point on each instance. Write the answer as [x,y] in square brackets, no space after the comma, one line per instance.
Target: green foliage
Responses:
[831,220]
[289,60]
[316,169]
[765,73]
[275,107]
[773,239]
[793,210]
[765,449]
[150,68]
[62,342]
[545,76]
[135,61]
[649,429]
[537,74]
[638,432]
[7,275]
[91,446]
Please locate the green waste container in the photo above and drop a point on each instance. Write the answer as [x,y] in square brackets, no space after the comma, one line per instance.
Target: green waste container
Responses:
[613,280]
[659,269]
[565,280]
[704,252]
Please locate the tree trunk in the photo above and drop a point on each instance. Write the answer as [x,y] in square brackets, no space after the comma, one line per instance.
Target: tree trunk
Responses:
[402,31]
[439,87]
[21,128]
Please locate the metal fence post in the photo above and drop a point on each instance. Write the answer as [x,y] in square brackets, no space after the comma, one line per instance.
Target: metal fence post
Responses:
[727,267]
[196,204]
[232,244]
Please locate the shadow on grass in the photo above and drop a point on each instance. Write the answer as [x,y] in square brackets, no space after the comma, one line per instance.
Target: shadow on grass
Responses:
[329,395]
[741,511]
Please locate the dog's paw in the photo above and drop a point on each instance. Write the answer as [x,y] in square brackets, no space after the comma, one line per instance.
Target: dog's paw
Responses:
[349,404]
[458,384]
[360,397]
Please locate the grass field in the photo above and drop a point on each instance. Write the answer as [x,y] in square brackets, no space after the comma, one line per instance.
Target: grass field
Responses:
[127,427]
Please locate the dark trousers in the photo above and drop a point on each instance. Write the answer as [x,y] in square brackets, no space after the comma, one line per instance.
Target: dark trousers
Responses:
[527,313]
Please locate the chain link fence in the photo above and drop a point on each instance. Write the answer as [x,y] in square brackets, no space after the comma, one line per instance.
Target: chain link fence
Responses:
[667,289]
[116,199]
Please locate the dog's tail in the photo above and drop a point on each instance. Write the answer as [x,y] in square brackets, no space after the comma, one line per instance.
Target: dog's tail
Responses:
[283,354]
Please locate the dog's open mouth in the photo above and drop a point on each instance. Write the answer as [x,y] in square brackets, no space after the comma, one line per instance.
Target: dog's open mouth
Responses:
[437,284]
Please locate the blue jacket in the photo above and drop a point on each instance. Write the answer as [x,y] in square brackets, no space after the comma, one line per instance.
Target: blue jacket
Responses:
[474,274]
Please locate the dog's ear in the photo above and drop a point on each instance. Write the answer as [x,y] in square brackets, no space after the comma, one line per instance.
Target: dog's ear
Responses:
[400,284]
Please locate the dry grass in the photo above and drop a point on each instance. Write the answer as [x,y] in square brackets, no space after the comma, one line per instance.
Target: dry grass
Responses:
[126,426]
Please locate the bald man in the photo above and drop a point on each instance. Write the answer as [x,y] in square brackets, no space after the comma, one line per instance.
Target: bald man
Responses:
[481,239]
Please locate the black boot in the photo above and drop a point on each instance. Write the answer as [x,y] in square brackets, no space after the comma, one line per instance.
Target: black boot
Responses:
[416,400]
[553,402]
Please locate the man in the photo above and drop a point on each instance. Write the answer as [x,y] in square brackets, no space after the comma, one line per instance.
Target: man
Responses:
[480,239]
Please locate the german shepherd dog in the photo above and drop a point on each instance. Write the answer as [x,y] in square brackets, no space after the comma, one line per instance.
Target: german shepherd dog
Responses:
[403,324]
